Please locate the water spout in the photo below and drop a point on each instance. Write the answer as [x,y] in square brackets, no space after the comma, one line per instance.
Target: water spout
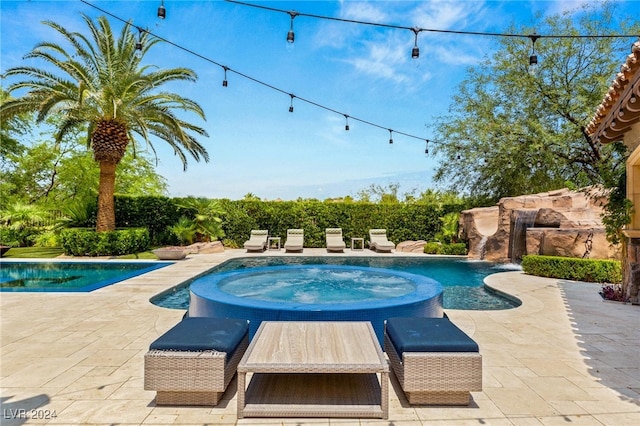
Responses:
[523,219]
[482,247]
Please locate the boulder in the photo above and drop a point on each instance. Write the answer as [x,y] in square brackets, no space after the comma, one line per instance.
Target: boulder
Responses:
[549,218]
[411,246]
[205,248]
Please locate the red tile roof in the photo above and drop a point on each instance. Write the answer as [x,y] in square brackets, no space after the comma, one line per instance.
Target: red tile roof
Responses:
[620,108]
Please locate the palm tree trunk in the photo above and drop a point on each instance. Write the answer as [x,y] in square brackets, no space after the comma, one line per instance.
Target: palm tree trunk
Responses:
[106,219]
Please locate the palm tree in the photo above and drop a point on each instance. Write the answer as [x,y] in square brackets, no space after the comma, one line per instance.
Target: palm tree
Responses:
[101,84]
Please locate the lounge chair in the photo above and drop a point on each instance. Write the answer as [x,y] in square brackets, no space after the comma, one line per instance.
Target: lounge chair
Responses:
[378,240]
[295,240]
[435,362]
[334,239]
[257,240]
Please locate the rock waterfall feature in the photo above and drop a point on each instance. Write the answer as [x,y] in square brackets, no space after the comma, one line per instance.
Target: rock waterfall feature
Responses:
[557,223]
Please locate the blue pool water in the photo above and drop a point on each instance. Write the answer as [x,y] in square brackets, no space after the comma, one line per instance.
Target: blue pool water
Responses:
[461,279]
[316,284]
[69,276]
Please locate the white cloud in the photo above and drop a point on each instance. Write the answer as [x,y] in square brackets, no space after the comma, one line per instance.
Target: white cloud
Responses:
[558,7]
[384,59]
[362,11]
[446,15]
[386,52]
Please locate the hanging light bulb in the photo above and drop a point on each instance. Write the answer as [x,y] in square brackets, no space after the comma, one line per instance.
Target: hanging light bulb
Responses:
[390,137]
[291,35]
[426,148]
[224,82]
[415,52]
[346,126]
[291,106]
[138,51]
[533,59]
[162,13]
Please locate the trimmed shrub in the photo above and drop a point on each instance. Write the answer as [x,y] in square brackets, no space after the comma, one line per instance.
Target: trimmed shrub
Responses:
[87,242]
[432,248]
[446,249]
[568,268]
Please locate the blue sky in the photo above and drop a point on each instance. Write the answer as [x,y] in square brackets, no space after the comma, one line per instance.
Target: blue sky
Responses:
[256,145]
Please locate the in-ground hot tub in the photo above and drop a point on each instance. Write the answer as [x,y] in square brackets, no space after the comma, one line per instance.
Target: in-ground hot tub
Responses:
[315,293]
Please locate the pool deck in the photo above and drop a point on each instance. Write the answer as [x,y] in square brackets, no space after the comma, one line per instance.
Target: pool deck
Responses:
[563,357]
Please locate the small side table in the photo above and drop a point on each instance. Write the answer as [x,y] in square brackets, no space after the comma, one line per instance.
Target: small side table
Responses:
[271,240]
[360,240]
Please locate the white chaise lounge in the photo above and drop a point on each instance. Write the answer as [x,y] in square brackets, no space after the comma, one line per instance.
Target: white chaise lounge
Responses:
[257,241]
[378,240]
[295,240]
[335,242]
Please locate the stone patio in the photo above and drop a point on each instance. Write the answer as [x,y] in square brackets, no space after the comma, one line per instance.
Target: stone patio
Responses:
[563,357]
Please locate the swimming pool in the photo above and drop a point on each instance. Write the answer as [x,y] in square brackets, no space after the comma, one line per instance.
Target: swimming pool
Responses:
[77,276]
[462,280]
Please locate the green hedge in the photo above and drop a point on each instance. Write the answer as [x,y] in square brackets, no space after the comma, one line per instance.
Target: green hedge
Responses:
[402,221]
[589,270]
[86,242]
[448,249]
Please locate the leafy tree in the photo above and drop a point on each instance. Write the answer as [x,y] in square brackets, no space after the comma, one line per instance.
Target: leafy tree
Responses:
[250,196]
[509,132]
[11,128]
[100,83]
[56,175]
[431,196]
[381,194]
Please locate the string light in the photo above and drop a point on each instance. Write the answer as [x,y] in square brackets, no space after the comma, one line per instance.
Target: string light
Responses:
[224,82]
[346,126]
[291,106]
[139,42]
[415,52]
[291,35]
[162,13]
[390,137]
[533,59]
[426,147]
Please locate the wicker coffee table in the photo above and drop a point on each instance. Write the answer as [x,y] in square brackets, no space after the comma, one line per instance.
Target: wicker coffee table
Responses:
[314,369]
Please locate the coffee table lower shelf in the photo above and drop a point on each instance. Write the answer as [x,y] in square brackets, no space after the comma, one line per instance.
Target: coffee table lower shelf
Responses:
[314,395]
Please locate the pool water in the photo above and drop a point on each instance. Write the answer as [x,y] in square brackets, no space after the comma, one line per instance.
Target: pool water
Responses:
[68,276]
[462,280]
[317,284]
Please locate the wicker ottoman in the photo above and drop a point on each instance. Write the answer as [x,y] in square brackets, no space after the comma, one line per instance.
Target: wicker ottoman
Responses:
[435,362]
[193,363]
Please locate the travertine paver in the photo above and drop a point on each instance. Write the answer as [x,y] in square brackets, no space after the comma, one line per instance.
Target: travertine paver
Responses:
[563,357]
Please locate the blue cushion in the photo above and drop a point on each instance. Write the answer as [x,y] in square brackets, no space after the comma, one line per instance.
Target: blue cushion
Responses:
[202,334]
[428,335]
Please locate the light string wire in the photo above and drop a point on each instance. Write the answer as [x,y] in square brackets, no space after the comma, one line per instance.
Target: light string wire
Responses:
[255,80]
[418,29]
